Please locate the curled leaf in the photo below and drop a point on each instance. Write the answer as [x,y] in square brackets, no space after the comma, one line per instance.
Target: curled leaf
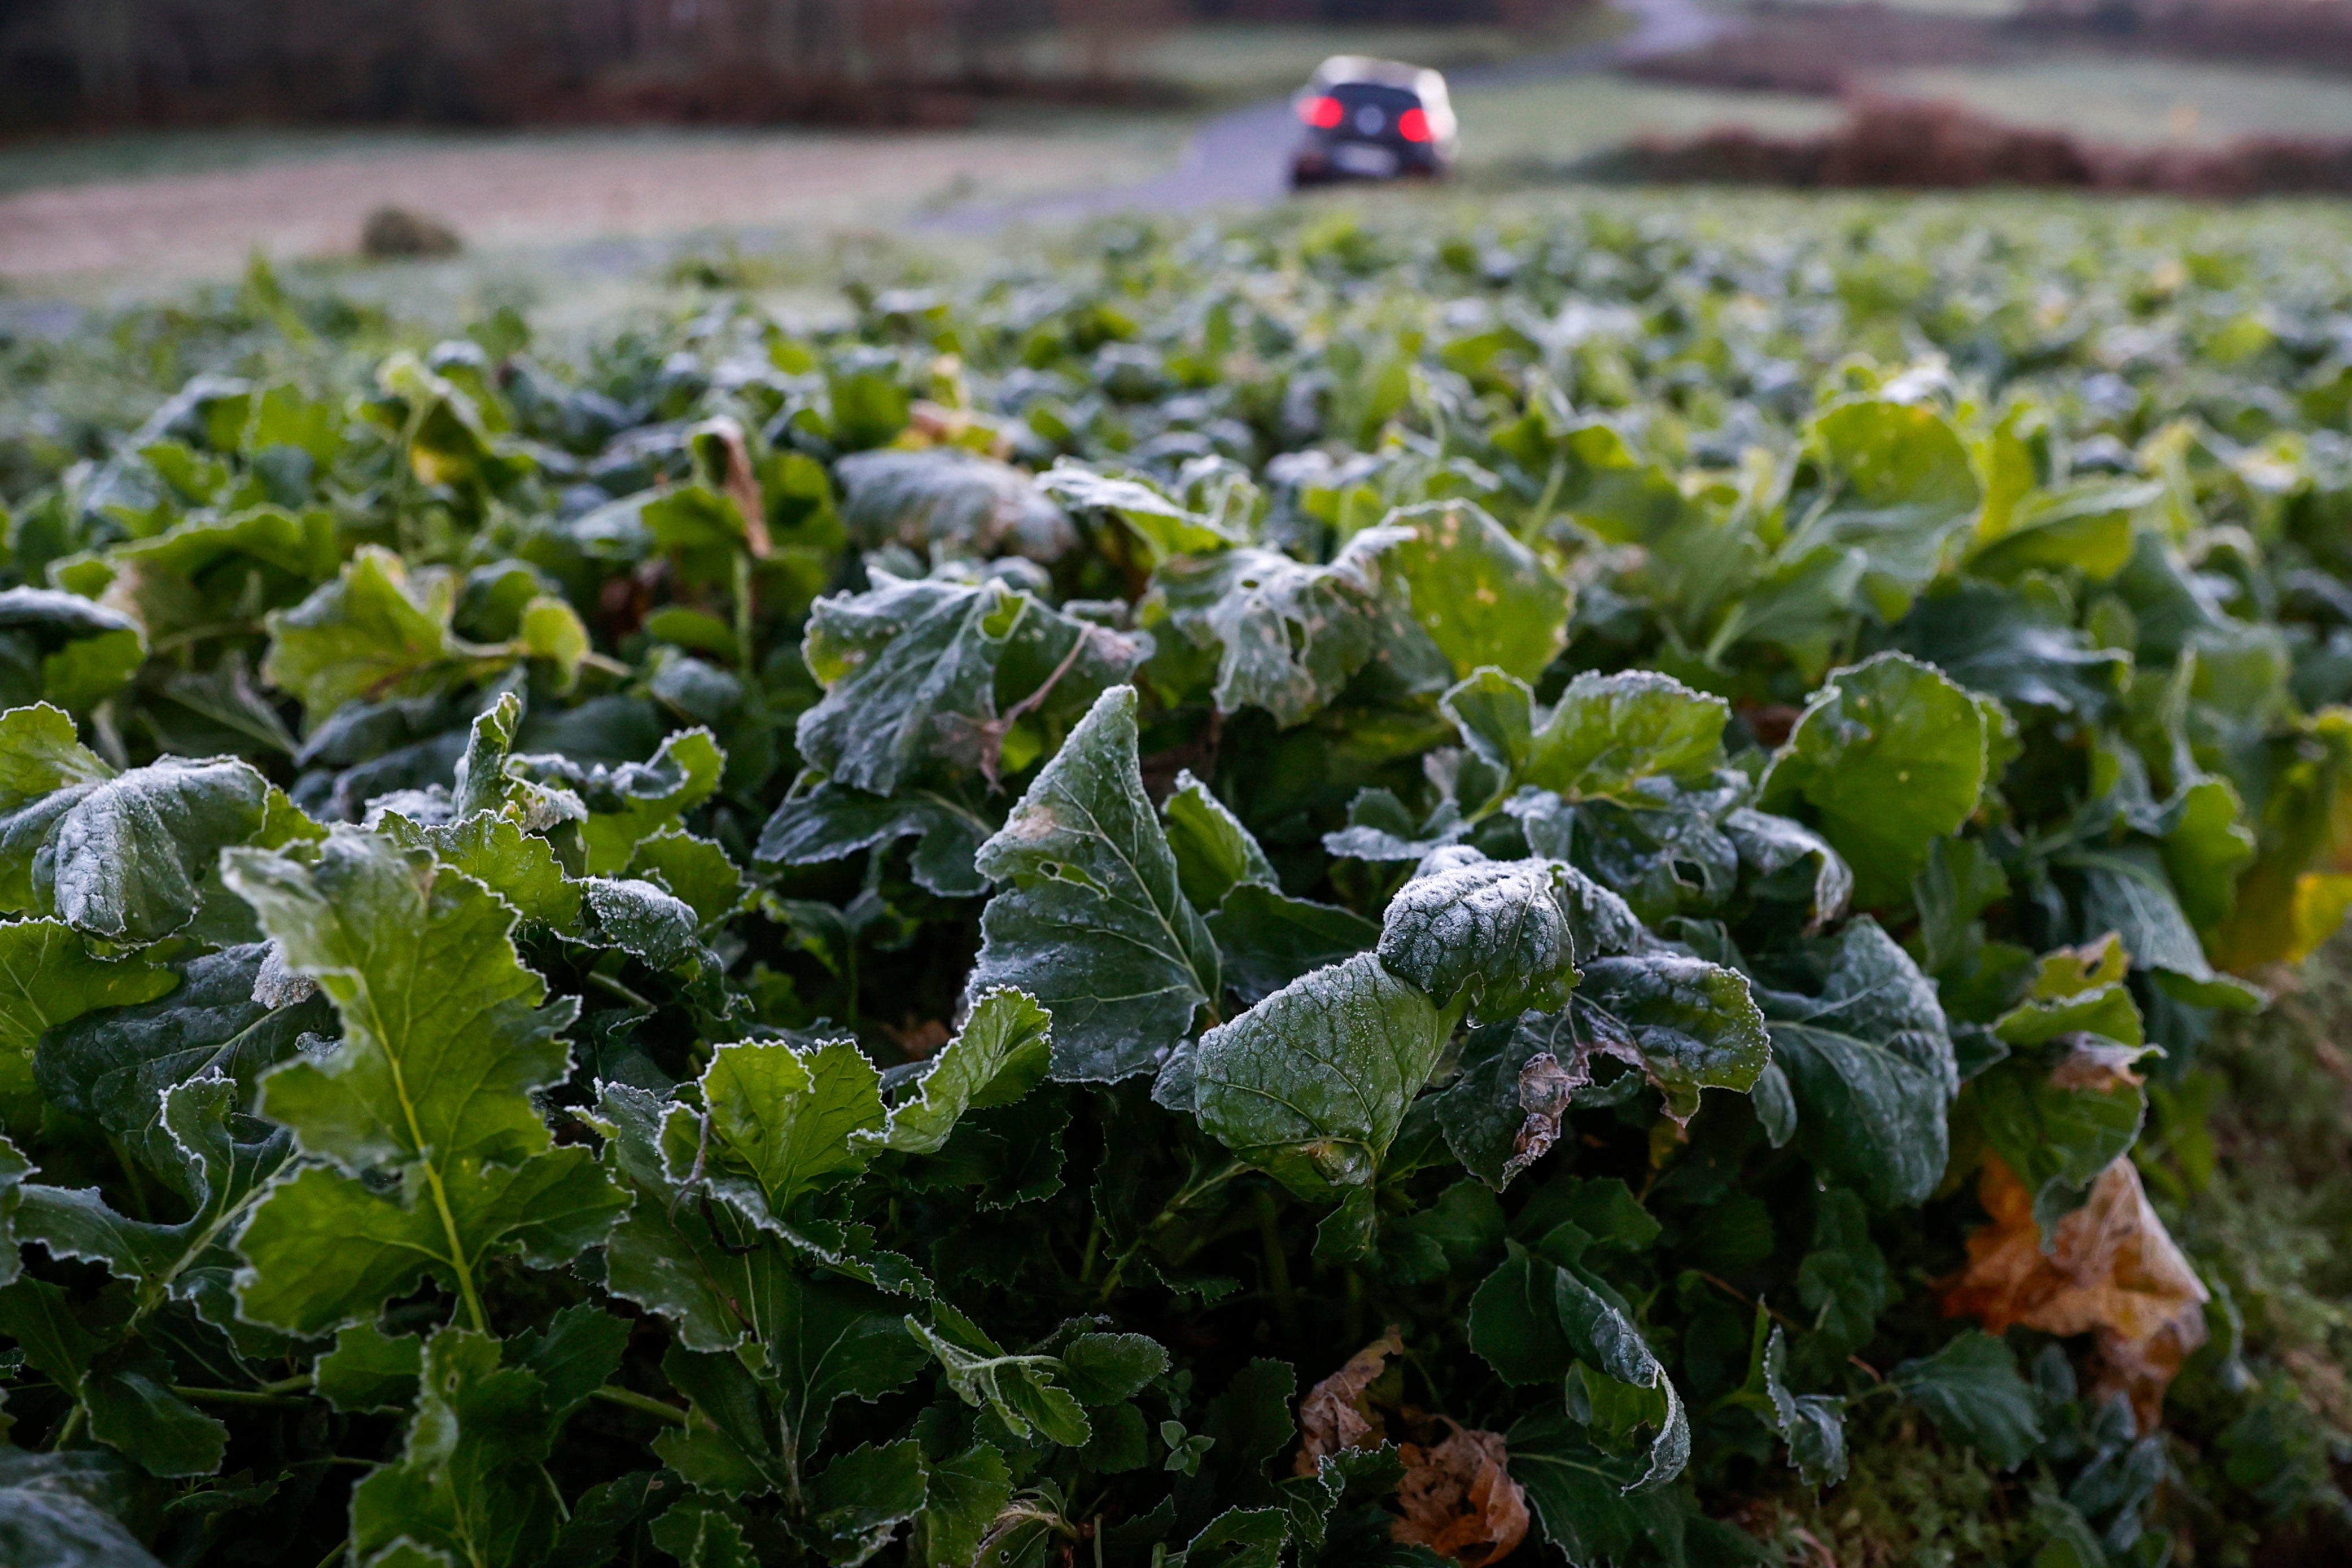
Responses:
[2112,1270]
[1459,1499]
[1335,1415]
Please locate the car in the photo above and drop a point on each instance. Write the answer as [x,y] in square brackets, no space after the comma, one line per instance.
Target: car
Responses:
[1372,120]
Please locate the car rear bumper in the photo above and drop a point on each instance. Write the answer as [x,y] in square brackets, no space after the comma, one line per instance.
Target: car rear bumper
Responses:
[1321,162]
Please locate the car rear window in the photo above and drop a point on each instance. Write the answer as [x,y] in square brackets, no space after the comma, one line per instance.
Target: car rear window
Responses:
[1394,99]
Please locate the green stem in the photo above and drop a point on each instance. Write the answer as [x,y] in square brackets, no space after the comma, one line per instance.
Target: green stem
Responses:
[744,611]
[562,1508]
[71,1427]
[137,1187]
[340,1549]
[237,1396]
[1277,1265]
[1191,1193]
[644,1404]
[606,982]
[1531,527]
[456,1248]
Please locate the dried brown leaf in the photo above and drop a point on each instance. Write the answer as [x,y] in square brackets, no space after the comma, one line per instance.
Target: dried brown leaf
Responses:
[1545,1087]
[1335,1416]
[1459,1499]
[2112,1272]
[742,483]
[2098,1066]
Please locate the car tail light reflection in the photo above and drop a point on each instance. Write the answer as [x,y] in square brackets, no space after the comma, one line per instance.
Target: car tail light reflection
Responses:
[1323,113]
[1413,125]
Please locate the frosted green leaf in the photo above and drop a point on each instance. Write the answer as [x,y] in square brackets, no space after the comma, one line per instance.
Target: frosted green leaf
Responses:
[322,1249]
[910,673]
[468,1480]
[1583,1495]
[893,660]
[629,804]
[967,1492]
[1167,525]
[80,652]
[1606,736]
[833,822]
[1812,1425]
[64,1510]
[41,752]
[1887,758]
[1089,917]
[1483,597]
[125,857]
[445,1037]
[642,920]
[1019,1390]
[1772,845]
[700,1533]
[1213,852]
[995,1059]
[219,1175]
[1695,1023]
[1871,1067]
[1972,1389]
[1897,486]
[1287,636]
[444,1030]
[373,633]
[1494,929]
[1103,1369]
[128,1395]
[1312,1084]
[950,503]
[520,867]
[46,979]
[484,783]
[859,1501]
[1537,1321]
[822,1341]
[782,1121]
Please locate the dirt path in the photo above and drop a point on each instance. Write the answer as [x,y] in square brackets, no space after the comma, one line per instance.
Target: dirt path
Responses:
[543,189]
[1243,158]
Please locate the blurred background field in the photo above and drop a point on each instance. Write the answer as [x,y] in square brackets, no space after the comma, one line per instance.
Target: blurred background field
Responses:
[147,143]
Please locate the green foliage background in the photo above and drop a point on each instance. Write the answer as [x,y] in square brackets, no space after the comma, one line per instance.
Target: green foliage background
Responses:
[879,940]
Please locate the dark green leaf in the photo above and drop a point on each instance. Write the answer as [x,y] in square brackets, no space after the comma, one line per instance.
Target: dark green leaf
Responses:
[1312,1084]
[1089,917]
[1972,1389]
[1888,757]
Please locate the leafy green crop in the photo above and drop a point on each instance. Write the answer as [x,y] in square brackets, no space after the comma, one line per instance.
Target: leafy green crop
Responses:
[891,943]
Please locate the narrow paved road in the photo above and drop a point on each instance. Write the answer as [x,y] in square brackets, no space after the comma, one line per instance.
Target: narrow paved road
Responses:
[1243,158]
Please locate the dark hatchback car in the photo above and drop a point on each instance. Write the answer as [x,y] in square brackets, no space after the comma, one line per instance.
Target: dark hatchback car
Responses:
[1372,120]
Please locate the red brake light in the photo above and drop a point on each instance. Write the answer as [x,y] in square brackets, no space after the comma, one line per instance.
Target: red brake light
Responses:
[1413,125]
[1323,113]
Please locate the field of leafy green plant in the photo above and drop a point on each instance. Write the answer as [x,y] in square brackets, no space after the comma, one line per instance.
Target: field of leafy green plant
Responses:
[1594,885]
